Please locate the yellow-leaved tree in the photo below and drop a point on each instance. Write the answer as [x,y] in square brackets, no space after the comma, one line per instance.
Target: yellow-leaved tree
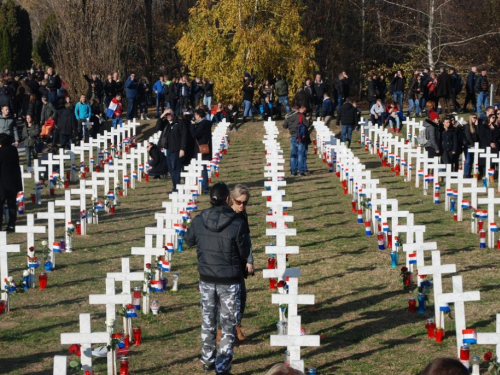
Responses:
[227,38]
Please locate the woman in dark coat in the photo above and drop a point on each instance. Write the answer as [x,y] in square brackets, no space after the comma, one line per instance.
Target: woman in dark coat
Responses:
[10,179]
[371,92]
[448,142]
[31,131]
[488,137]
[201,131]
[471,135]
[144,94]
[66,124]
[459,129]
[96,117]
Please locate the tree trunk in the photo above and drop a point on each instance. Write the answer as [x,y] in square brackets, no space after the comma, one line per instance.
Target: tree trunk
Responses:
[148,5]
[430,57]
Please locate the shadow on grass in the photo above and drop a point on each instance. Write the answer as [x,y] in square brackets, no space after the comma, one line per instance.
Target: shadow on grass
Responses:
[16,364]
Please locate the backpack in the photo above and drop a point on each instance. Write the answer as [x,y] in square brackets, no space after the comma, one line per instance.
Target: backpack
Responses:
[302,132]
[422,137]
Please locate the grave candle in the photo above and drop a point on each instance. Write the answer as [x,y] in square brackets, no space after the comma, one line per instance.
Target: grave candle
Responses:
[42,281]
[482,239]
[430,327]
[380,237]
[465,355]
[360,216]
[452,209]
[475,365]
[439,334]
[137,335]
[412,304]
[394,257]
[368,228]
[421,303]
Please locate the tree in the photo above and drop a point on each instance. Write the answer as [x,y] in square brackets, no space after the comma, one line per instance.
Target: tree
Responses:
[6,61]
[16,20]
[434,28]
[41,50]
[225,39]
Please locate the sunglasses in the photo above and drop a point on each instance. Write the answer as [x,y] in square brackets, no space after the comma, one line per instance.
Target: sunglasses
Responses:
[239,203]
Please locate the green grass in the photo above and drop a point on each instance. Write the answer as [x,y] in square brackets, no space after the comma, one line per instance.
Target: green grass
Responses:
[360,311]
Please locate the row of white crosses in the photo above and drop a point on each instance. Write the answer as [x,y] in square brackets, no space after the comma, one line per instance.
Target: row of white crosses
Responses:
[274,172]
[429,169]
[415,248]
[165,234]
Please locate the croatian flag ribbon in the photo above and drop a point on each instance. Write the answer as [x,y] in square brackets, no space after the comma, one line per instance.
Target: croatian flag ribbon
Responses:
[412,258]
[92,161]
[493,227]
[134,175]
[469,336]
[20,197]
[170,247]
[482,214]
[491,172]
[111,195]
[449,192]
[465,204]
[126,178]
[420,173]
[99,206]
[165,265]
[56,248]
[141,167]
[377,215]
[404,163]
[385,227]
[429,178]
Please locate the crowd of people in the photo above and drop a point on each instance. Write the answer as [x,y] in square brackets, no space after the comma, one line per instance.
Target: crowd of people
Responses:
[185,113]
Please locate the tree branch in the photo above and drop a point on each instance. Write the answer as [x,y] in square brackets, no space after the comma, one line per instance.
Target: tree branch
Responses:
[446,2]
[460,42]
[406,7]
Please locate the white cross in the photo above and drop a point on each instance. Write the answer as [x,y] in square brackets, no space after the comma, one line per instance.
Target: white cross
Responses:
[490,201]
[24,174]
[60,365]
[126,276]
[94,183]
[110,299]
[83,203]
[61,157]
[50,162]
[67,203]
[491,338]
[30,229]
[37,169]
[4,264]
[51,216]
[458,297]
[476,151]
[85,338]
[106,175]
[488,156]
[160,233]
[437,270]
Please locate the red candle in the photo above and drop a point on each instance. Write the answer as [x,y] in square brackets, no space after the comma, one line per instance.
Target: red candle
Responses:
[455,216]
[120,192]
[128,184]
[33,198]
[68,175]
[97,168]
[78,228]
[412,304]
[42,281]
[66,184]
[439,335]
[86,169]
[137,335]
[112,209]
[124,366]
[83,175]
[126,341]
[147,177]
[431,327]
[51,191]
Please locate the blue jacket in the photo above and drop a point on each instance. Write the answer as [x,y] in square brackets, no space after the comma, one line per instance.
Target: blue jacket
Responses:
[159,87]
[327,109]
[83,111]
[132,88]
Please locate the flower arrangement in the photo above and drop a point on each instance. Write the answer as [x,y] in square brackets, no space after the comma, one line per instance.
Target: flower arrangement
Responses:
[494,366]
[46,254]
[75,365]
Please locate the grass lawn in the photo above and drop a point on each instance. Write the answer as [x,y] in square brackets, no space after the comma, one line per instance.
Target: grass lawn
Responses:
[361,309]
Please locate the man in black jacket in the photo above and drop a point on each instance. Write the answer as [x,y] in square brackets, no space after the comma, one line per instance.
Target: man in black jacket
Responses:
[347,116]
[95,89]
[221,238]
[175,134]
[469,89]
[445,83]
[53,84]
[482,87]
[10,179]
[398,84]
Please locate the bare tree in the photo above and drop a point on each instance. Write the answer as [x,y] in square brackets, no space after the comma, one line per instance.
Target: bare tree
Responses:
[432,26]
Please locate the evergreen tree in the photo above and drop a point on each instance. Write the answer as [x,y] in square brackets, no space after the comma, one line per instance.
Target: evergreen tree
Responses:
[41,49]
[6,61]
[16,20]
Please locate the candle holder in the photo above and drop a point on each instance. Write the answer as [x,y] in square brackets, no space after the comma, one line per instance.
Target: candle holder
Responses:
[394,258]
[42,280]
[430,326]
[155,306]
[175,285]
[412,304]
[422,298]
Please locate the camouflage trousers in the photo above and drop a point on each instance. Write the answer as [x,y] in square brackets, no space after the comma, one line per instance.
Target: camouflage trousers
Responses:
[229,310]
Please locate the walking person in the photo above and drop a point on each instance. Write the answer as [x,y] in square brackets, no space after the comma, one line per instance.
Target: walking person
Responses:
[31,131]
[293,121]
[132,93]
[221,238]
[201,131]
[347,116]
[10,179]
[448,142]
[470,89]
[432,133]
